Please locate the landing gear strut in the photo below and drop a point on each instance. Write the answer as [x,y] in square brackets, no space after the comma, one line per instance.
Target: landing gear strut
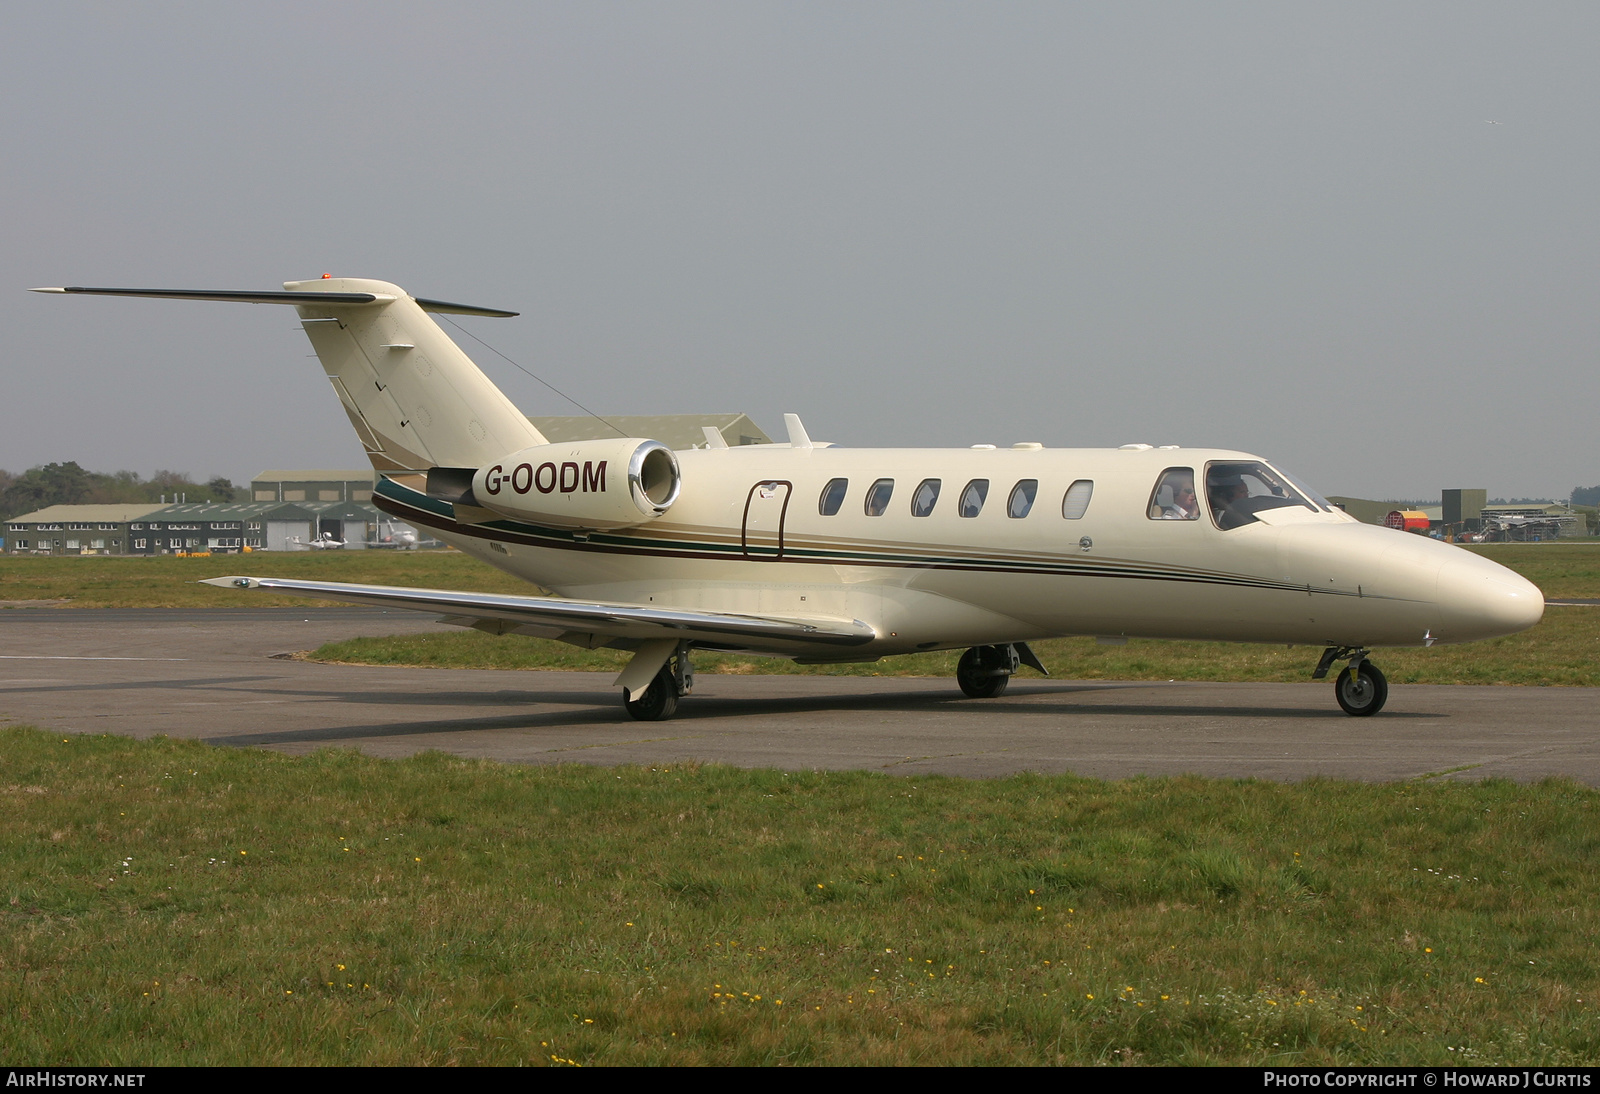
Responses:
[984,671]
[1361,688]
[660,700]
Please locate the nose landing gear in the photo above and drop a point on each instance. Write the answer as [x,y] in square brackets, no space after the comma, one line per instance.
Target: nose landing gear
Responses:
[1361,688]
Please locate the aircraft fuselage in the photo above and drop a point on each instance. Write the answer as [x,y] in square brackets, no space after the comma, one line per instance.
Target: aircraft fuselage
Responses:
[748,535]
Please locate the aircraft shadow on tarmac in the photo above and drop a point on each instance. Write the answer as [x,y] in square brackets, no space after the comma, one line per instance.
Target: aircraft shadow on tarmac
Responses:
[139,685]
[598,709]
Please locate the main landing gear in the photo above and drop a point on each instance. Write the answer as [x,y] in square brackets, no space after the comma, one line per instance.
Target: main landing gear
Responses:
[672,681]
[984,671]
[1361,688]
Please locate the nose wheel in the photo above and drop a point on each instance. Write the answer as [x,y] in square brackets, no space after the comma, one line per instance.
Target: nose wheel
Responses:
[1361,688]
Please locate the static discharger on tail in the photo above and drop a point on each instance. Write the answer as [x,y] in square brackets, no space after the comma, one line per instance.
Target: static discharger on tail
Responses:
[826,554]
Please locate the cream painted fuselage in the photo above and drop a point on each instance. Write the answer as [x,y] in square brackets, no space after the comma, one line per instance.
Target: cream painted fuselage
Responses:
[747,536]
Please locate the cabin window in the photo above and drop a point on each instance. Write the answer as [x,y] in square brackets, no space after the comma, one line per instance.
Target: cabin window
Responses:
[1174,496]
[1075,502]
[878,497]
[1020,502]
[927,495]
[973,496]
[832,497]
[1238,491]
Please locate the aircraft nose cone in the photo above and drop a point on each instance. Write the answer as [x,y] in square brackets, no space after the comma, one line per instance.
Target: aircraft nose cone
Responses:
[1482,599]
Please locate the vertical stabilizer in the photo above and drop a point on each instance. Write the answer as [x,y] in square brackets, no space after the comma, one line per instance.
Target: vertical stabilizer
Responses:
[415,399]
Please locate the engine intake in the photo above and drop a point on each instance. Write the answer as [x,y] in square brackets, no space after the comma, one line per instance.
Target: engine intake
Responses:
[576,484]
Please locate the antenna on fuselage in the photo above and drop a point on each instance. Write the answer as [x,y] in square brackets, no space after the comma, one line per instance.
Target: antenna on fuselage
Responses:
[798,438]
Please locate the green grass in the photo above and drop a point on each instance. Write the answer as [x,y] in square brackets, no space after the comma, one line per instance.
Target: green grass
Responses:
[170,903]
[167,581]
[1562,570]
[1564,649]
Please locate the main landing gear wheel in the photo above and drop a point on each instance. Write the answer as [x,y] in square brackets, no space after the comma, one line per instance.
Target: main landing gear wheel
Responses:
[1362,690]
[984,671]
[659,701]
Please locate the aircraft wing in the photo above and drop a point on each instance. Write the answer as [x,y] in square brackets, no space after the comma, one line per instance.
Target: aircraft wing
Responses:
[587,623]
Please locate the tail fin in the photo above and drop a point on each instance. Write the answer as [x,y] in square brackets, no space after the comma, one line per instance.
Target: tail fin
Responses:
[415,399]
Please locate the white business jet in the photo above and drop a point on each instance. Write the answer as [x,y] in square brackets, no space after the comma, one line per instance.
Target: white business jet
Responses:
[394,537]
[826,554]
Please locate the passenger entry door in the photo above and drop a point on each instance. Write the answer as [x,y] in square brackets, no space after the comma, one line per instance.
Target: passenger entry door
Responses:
[764,510]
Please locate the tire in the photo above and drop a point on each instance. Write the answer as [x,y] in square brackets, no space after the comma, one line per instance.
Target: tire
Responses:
[977,678]
[659,701]
[1363,693]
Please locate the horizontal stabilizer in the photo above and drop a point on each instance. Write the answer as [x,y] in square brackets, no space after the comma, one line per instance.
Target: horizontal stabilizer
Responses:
[462,309]
[280,297]
[636,621]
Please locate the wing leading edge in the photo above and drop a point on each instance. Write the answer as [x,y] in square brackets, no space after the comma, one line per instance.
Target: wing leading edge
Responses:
[554,616]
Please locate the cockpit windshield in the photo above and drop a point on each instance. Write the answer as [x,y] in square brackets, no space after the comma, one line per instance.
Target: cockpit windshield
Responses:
[1238,491]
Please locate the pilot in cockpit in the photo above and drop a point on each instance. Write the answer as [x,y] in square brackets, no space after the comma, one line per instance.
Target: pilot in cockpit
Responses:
[1226,488]
[1175,496]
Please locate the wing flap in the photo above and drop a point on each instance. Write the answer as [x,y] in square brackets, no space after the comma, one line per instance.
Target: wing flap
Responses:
[637,621]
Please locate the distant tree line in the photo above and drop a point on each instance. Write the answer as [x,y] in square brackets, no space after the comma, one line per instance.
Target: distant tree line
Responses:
[69,484]
[1586,495]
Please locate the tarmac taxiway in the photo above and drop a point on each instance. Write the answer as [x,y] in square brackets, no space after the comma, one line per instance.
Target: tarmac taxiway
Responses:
[222,676]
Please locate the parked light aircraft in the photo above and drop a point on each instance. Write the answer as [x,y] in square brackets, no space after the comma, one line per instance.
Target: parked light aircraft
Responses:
[827,554]
[322,541]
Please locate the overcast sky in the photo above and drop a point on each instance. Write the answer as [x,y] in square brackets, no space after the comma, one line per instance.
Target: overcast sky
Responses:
[1359,239]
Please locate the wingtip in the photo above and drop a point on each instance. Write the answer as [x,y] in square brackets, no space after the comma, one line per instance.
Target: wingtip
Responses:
[229,582]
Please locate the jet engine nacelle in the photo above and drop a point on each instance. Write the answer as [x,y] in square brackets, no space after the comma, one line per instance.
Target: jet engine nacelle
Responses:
[582,484]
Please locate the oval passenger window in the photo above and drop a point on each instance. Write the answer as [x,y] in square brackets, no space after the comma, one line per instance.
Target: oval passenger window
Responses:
[1021,500]
[972,497]
[832,497]
[878,497]
[1076,501]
